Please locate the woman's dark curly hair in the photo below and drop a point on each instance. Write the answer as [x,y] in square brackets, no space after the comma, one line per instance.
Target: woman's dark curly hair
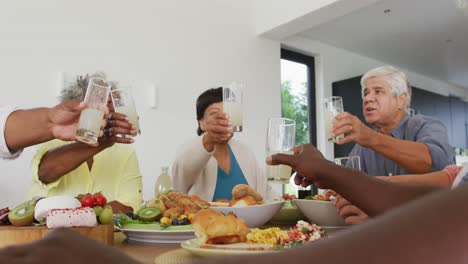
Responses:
[207,98]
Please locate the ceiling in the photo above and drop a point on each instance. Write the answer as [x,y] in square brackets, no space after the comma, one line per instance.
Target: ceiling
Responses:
[426,36]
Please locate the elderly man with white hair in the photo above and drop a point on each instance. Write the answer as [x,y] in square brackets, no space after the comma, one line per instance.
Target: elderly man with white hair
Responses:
[397,144]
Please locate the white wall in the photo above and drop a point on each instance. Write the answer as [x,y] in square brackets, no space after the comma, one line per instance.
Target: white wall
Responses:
[183,46]
[334,64]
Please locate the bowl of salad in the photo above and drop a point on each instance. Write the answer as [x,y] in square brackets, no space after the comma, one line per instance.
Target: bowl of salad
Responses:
[320,209]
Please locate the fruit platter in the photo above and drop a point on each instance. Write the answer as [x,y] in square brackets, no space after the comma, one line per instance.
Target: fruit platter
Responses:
[165,219]
[88,214]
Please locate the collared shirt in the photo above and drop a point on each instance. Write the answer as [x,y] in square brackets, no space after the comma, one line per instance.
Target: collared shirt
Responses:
[419,128]
[5,152]
[115,173]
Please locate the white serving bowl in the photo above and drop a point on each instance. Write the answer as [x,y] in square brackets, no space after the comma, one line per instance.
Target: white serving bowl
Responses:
[254,215]
[322,213]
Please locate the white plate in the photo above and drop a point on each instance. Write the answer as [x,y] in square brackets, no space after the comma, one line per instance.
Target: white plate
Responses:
[158,236]
[193,246]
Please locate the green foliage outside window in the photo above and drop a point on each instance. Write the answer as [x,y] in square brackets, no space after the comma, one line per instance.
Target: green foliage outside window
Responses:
[295,107]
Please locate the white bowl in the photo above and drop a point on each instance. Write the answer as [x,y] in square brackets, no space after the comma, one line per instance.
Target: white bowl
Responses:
[322,213]
[254,215]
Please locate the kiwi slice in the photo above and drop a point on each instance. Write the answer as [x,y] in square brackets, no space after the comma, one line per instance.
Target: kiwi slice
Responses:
[148,214]
[23,214]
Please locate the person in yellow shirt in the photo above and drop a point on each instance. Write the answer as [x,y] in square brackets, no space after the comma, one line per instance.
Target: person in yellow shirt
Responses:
[64,168]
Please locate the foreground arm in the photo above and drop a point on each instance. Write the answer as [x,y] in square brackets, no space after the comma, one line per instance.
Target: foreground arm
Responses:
[24,128]
[416,226]
[355,186]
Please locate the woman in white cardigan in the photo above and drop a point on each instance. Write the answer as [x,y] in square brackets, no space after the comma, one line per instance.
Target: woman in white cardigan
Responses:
[210,165]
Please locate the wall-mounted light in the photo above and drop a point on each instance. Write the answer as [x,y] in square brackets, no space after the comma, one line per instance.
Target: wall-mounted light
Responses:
[153,96]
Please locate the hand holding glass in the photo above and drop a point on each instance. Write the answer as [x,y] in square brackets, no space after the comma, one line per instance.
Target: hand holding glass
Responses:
[232,104]
[89,124]
[281,138]
[332,107]
[123,103]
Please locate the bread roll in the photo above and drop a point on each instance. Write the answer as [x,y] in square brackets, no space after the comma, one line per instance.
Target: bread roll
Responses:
[242,190]
[213,227]
[244,201]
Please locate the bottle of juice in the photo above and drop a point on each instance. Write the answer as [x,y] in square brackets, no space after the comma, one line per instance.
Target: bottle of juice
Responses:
[163,183]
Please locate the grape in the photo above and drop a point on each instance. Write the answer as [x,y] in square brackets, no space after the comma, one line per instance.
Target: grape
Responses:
[106,215]
[131,215]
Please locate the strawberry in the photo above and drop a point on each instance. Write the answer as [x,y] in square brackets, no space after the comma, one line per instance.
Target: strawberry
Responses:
[87,201]
[100,199]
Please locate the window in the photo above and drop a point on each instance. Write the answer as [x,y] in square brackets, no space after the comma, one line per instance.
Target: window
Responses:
[298,98]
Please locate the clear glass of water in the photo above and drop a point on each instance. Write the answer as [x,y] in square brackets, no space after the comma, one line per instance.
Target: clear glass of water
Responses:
[333,106]
[232,104]
[89,124]
[123,102]
[350,162]
[281,138]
